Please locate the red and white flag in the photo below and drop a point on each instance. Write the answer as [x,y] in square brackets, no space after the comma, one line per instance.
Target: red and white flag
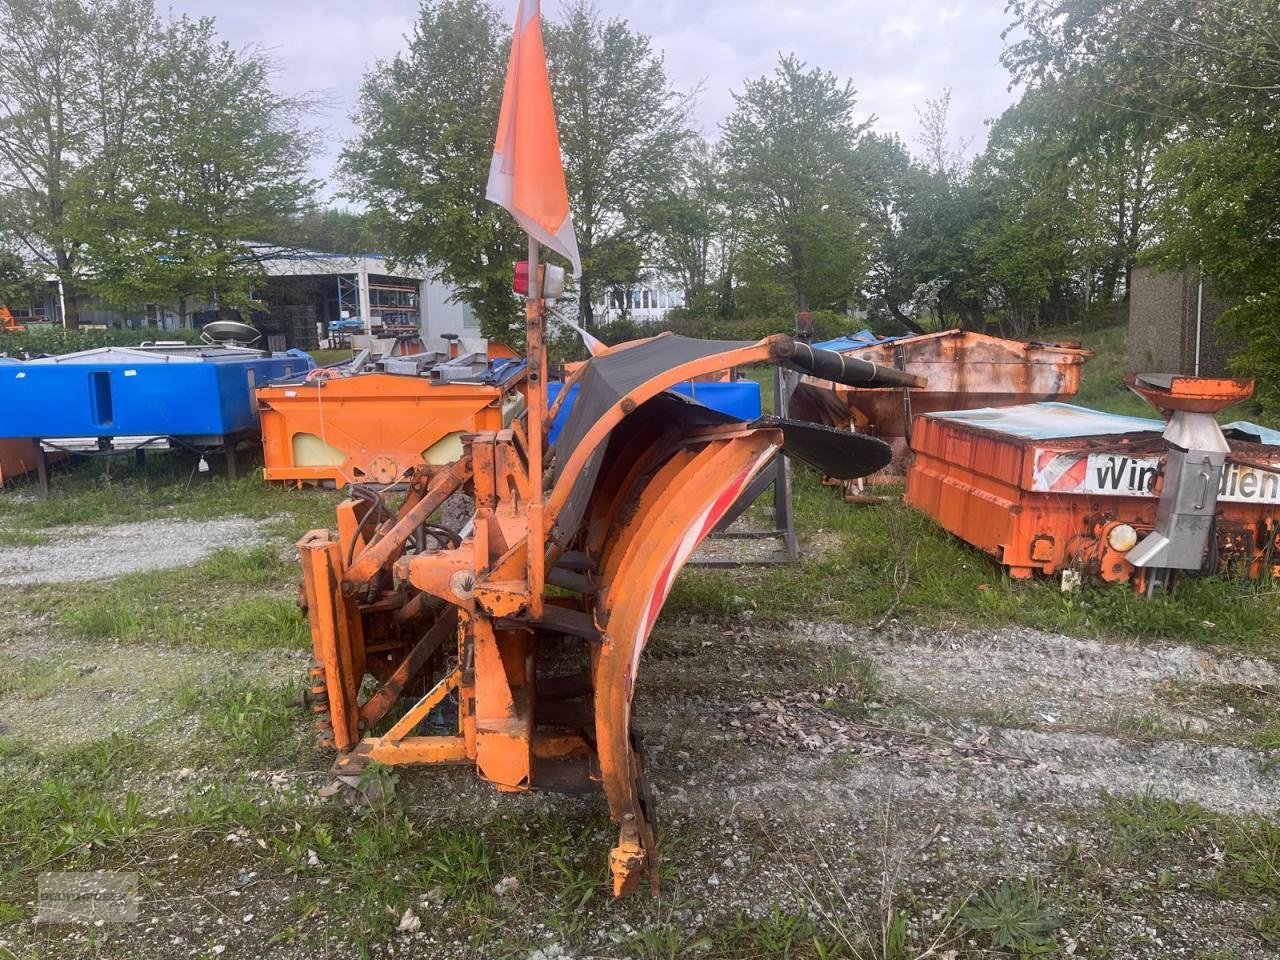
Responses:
[526,175]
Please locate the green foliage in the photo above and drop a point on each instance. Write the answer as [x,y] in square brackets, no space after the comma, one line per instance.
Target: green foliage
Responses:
[826,325]
[696,230]
[1189,166]
[421,161]
[252,722]
[329,230]
[1013,916]
[1222,216]
[217,160]
[790,151]
[623,133]
[169,151]
[136,613]
[1231,857]
[861,565]
[37,341]
[19,284]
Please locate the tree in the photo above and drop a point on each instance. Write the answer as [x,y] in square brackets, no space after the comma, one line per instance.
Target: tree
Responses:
[790,148]
[942,157]
[19,284]
[70,82]
[623,130]
[421,161]
[1028,219]
[329,230]
[1189,90]
[935,243]
[1087,56]
[886,175]
[219,164]
[695,228]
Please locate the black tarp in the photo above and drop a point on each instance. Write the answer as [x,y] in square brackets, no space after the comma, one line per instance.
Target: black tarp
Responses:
[609,378]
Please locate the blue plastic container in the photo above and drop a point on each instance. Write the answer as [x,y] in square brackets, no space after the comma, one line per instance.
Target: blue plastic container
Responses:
[737,398]
[178,391]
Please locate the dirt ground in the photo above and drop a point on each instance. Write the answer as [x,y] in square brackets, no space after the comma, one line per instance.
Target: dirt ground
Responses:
[833,772]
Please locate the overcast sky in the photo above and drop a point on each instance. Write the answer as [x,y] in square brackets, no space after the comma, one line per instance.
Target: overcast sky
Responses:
[897,52]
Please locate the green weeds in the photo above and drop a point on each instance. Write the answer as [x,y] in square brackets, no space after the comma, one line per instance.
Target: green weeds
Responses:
[233,600]
[1013,916]
[872,564]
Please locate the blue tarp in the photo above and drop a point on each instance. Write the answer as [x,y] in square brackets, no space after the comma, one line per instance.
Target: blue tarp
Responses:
[1252,432]
[738,398]
[863,338]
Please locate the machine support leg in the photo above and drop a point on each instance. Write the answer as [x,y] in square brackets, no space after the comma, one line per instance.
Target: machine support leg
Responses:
[42,469]
[783,517]
[230,444]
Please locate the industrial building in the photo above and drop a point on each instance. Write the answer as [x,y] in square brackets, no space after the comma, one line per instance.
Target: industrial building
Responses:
[304,291]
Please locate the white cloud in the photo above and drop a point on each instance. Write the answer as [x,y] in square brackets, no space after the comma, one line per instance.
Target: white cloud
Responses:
[897,52]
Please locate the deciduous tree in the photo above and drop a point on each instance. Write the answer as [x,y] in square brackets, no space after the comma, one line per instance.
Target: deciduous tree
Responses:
[790,148]
[219,164]
[70,81]
[623,130]
[421,160]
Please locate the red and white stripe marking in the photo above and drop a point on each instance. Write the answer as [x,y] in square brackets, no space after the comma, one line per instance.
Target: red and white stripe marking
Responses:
[687,544]
[1060,472]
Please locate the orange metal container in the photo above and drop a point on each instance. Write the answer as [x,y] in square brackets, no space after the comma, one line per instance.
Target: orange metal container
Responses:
[17,457]
[965,370]
[1016,484]
[375,427]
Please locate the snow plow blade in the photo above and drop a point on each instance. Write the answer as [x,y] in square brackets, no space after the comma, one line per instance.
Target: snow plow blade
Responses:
[441,645]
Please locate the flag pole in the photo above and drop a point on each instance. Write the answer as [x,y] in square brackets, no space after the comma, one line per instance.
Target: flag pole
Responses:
[536,355]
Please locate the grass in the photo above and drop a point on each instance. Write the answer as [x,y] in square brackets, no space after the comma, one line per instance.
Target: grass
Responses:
[233,600]
[1102,377]
[345,872]
[326,357]
[21,538]
[1229,857]
[253,623]
[864,565]
[874,564]
[118,490]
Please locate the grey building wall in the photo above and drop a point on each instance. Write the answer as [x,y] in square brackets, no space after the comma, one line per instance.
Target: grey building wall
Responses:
[440,315]
[1162,325]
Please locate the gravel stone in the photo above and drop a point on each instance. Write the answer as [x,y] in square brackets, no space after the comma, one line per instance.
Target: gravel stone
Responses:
[99,553]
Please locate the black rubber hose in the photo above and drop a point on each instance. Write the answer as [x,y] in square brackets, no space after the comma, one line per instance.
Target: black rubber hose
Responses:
[851,371]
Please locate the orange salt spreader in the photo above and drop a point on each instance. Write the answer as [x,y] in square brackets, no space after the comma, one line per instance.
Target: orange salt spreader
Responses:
[383,421]
[1049,487]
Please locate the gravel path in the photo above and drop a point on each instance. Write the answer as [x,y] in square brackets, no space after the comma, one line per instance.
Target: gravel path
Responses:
[98,553]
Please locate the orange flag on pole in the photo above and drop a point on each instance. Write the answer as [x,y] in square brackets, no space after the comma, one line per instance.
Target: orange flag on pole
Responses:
[526,175]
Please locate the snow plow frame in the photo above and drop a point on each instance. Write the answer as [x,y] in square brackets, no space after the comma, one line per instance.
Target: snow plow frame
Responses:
[645,476]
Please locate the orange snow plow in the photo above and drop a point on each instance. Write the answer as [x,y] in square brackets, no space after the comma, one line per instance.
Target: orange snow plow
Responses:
[513,641]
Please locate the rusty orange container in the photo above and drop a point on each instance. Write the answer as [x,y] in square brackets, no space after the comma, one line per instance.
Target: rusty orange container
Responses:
[17,457]
[1042,487]
[965,370]
[376,427]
